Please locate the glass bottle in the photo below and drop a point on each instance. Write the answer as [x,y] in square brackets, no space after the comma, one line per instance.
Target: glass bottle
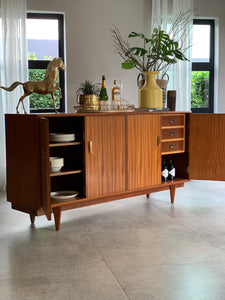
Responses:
[171,170]
[116,94]
[164,171]
[103,96]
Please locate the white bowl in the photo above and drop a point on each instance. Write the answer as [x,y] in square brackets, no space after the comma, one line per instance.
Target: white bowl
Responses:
[56,163]
[56,169]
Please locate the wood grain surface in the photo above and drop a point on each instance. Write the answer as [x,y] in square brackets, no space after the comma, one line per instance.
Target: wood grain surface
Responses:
[207,146]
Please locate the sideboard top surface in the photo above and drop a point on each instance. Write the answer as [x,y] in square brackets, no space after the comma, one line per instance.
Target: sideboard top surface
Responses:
[85,114]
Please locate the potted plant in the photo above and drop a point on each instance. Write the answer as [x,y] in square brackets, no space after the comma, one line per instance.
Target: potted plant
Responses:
[87,95]
[158,53]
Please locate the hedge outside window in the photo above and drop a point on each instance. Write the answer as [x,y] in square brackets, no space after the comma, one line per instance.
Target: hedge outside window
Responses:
[45,36]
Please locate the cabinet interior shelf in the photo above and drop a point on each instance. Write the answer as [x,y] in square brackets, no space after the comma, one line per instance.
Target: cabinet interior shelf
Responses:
[58,202]
[64,144]
[66,172]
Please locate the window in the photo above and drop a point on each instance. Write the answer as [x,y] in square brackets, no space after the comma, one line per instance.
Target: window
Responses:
[45,36]
[202,79]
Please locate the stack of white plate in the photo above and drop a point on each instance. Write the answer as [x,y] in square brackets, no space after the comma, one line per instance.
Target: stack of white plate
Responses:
[62,137]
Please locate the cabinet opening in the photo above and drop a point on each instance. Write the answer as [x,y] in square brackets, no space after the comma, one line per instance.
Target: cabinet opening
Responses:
[67,125]
[72,182]
[180,162]
[73,156]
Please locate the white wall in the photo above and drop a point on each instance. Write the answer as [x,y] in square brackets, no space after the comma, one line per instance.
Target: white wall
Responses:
[89,52]
[89,47]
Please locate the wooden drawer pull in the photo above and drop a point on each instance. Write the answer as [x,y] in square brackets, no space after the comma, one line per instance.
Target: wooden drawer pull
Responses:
[171,121]
[171,146]
[171,133]
[90,147]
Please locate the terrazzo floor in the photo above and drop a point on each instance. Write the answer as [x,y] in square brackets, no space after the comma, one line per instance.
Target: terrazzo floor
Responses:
[136,248]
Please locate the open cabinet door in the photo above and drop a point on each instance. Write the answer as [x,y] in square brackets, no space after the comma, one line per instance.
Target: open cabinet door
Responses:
[45,167]
[207,146]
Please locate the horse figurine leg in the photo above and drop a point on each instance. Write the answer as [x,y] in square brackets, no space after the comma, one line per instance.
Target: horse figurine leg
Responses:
[53,97]
[21,100]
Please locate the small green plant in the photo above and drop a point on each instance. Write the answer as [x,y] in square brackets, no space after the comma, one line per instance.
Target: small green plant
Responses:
[89,88]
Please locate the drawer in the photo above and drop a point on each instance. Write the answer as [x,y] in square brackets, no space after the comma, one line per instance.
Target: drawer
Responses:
[172,120]
[172,133]
[172,147]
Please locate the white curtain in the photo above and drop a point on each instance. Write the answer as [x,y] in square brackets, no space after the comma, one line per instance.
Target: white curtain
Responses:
[14,66]
[164,12]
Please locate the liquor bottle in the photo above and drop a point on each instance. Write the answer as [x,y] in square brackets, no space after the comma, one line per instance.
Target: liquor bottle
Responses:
[116,95]
[171,170]
[103,96]
[164,171]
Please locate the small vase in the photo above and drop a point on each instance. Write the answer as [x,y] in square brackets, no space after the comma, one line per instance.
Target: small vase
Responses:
[150,95]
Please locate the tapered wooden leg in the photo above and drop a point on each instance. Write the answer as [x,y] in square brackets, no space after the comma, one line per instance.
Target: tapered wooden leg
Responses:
[57,217]
[32,218]
[172,192]
[148,196]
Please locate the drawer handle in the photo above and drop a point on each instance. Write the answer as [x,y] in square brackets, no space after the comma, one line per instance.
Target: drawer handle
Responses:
[171,121]
[171,133]
[171,146]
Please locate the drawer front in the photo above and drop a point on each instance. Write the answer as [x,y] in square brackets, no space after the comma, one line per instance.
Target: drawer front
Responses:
[172,133]
[172,147]
[172,120]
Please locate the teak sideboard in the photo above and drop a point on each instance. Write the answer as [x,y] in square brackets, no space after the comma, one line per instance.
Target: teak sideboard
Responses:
[115,155]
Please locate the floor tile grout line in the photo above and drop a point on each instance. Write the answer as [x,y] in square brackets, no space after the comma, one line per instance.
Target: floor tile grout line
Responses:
[125,294]
[200,235]
[189,228]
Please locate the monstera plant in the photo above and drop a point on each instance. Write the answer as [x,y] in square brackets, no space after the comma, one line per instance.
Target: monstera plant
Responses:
[159,51]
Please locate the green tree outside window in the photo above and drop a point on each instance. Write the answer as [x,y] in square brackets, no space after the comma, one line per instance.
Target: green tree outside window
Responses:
[200,89]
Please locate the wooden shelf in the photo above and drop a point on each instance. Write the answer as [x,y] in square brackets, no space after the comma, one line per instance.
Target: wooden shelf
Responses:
[59,202]
[64,144]
[66,172]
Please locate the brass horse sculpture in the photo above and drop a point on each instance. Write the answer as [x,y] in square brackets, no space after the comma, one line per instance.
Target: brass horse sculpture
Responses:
[42,87]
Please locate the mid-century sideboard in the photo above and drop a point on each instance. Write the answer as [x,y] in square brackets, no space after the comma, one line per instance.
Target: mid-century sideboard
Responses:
[115,155]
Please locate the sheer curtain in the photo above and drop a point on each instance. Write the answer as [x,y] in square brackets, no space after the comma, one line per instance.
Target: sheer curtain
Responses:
[164,12]
[14,66]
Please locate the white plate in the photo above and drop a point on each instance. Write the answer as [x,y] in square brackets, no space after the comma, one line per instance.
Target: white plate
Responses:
[64,194]
[62,137]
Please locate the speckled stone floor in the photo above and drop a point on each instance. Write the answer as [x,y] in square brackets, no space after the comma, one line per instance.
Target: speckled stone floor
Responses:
[135,248]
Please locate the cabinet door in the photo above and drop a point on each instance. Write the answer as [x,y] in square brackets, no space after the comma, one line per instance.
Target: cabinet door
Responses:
[104,155]
[45,167]
[23,162]
[207,146]
[143,154]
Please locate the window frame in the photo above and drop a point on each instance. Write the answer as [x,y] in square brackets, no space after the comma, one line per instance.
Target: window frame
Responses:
[42,64]
[207,66]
